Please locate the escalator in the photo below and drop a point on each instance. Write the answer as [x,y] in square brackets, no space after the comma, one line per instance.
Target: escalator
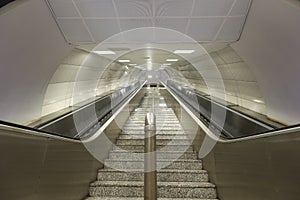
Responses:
[51,161]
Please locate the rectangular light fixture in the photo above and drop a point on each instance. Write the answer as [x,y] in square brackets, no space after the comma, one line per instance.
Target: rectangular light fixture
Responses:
[172,60]
[133,65]
[104,52]
[184,51]
[124,61]
[167,64]
[258,101]
[162,105]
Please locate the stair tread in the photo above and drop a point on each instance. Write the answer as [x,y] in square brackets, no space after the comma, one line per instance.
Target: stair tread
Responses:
[140,198]
[114,184]
[158,152]
[160,171]
[159,184]
[160,160]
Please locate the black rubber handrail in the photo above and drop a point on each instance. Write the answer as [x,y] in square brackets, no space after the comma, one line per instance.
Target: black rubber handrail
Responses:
[70,112]
[5,2]
[35,129]
[276,129]
[26,128]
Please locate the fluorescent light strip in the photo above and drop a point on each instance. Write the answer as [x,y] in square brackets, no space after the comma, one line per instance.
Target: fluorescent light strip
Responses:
[184,51]
[124,61]
[104,52]
[258,101]
[172,60]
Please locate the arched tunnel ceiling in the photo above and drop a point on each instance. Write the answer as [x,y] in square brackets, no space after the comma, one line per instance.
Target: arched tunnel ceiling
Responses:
[92,21]
[139,57]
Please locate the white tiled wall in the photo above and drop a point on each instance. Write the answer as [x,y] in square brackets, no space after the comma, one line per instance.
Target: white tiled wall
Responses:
[241,87]
[78,79]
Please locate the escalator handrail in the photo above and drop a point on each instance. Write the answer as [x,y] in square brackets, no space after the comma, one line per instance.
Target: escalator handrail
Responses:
[273,132]
[42,133]
[4,125]
[5,2]
[251,118]
[58,118]
[257,121]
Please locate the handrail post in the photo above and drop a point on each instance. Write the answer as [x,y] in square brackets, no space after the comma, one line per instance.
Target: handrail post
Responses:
[150,175]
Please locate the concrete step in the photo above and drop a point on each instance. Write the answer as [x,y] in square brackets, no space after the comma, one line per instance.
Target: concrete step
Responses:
[158,137]
[160,116]
[162,176]
[139,198]
[165,189]
[163,125]
[140,148]
[164,128]
[160,132]
[138,165]
[159,155]
[158,142]
[142,122]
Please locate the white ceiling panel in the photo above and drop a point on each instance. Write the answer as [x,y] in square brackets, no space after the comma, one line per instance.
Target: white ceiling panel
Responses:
[139,36]
[127,24]
[231,29]
[96,8]
[134,8]
[212,7]
[74,30]
[64,8]
[173,7]
[204,29]
[199,19]
[241,7]
[174,24]
[102,29]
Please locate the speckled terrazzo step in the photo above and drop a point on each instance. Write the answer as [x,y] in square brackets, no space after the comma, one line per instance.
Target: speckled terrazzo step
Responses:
[162,125]
[141,117]
[180,179]
[167,164]
[158,137]
[162,175]
[140,148]
[159,155]
[165,189]
[158,132]
[158,142]
[142,122]
[159,128]
[139,198]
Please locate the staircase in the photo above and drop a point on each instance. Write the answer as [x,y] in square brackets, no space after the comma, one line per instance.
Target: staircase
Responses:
[180,174]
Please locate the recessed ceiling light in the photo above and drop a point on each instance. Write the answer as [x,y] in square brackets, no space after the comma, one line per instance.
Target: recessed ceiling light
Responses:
[132,64]
[162,105]
[104,52]
[167,64]
[184,51]
[258,101]
[124,61]
[172,60]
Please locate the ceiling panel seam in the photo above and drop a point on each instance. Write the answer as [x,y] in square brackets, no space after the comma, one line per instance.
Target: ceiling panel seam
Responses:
[84,23]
